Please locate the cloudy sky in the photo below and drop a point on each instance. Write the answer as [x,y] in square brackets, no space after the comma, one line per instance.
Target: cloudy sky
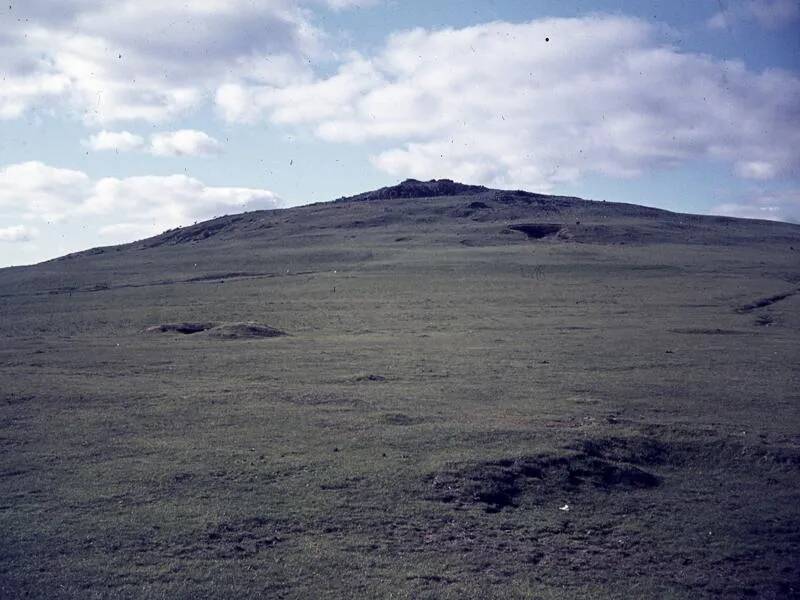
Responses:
[119,120]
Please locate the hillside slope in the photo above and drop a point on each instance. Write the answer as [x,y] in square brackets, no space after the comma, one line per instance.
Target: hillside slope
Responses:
[426,391]
[413,214]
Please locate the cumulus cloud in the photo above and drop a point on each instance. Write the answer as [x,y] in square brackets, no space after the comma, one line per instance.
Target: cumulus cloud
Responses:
[17,233]
[126,231]
[186,142]
[119,141]
[146,60]
[346,4]
[767,13]
[756,169]
[37,191]
[305,102]
[18,93]
[781,205]
[169,201]
[538,103]
[26,77]
[121,207]
[519,105]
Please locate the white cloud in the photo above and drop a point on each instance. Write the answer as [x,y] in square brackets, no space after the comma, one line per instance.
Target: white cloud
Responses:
[773,206]
[770,14]
[25,78]
[493,103]
[37,191]
[120,207]
[348,4]
[185,142]
[127,231]
[235,103]
[499,104]
[172,200]
[147,60]
[119,141]
[304,102]
[17,233]
[18,93]
[755,169]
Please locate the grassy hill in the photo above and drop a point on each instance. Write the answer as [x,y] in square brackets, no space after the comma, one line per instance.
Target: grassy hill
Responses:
[427,391]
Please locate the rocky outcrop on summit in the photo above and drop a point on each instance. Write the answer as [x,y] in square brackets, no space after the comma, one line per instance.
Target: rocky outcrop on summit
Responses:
[413,188]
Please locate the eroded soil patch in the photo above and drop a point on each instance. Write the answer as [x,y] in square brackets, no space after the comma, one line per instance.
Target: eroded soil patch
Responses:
[224,330]
[720,453]
[592,466]
[702,331]
[186,328]
[543,479]
[244,330]
[537,231]
[763,302]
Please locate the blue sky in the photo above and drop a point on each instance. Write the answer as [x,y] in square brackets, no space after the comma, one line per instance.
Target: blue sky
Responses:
[118,121]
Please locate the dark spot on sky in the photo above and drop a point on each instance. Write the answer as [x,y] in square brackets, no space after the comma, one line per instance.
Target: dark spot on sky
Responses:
[547,39]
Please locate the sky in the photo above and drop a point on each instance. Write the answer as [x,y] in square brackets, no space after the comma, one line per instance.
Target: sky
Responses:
[119,120]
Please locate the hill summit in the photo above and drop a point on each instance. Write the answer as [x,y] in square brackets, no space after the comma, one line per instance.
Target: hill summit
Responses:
[414,188]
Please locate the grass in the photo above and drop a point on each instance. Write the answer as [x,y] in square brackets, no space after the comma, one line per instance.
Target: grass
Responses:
[165,465]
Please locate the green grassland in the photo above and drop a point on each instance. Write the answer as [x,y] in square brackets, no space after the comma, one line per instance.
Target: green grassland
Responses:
[446,388]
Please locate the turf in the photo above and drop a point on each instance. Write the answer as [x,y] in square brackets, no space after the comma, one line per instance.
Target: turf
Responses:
[421,392]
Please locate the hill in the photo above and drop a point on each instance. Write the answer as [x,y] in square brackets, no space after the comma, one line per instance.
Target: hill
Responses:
[431,390]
